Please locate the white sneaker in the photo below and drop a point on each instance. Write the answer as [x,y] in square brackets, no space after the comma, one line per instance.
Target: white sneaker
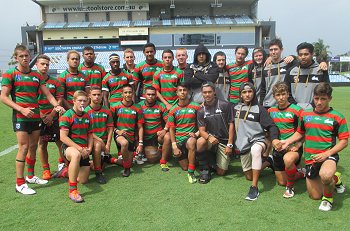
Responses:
[36,180]
[24,189]
[60,166]
[143,157]
[325,206]
[340,188]
[138,160]
[289,193]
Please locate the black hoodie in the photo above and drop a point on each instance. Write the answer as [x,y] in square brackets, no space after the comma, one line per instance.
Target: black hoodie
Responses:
[196,74]
[250,122]
[255,75]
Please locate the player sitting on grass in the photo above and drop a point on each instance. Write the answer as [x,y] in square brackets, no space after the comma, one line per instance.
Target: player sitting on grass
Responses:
[102,128]
[128,123]
[183,131]
[251,121]
[321,127]
[286,116]
[77,138]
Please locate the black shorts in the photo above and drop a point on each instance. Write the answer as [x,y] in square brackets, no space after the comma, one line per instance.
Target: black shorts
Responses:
[313,170]
[50,133]
[278,159]
[83,162]
[131,145]
[183,149]
[28,127]
[151,142]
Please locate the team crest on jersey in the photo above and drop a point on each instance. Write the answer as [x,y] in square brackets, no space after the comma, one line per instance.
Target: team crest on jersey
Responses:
[87,121]
[328,121]
[35,79]
[69,79]
[18,77]
[82,79]
[145,69]
[18,125]
[190,111]
[111,80]
[289,115]
[51,86]
[218,110]
[308,118]
[283,70]
[315,78]
[133,112]
[251,116]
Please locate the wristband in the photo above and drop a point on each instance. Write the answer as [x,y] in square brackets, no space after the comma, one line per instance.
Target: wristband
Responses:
[141,143]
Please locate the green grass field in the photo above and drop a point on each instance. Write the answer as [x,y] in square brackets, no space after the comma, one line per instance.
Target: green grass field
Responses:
[153,200]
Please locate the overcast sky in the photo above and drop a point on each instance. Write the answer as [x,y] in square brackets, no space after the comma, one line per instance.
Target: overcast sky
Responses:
[297,21]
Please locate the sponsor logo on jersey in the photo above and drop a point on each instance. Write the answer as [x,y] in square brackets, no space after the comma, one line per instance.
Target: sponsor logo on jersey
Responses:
[18,77]
[69,79]
[328,121]
[111,80]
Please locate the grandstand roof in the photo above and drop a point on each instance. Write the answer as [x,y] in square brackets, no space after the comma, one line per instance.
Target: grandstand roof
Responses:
[62,2]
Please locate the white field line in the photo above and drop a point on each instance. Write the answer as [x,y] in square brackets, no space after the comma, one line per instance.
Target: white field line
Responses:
[8,150]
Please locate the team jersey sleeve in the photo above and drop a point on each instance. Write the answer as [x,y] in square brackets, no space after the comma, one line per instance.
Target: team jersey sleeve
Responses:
[268,124]
[342,129]
[301,127]
[62,81]
[171,119]
[136,75]
[155,82]
[59,90]
[200,118]
[7,80]
[140,119]
[109,119]
[105,83]
[87,80]
[64,121]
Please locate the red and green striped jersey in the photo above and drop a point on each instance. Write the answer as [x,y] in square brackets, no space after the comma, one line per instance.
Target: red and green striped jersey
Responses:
[321,131]
[286,119]
[114,85]
[79,126]
[101,119]
[55,89]
[144,72]
[95,73]
[71,83]
[238,74]
[166,83]
[183,119]
[155,118]
[24,89]
[126,118]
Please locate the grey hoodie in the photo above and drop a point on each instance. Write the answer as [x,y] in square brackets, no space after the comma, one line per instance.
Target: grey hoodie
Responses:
[250,122]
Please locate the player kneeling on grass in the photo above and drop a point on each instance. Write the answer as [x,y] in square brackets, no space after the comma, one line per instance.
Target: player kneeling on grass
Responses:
[321,127]
[155,116]
[77,138]
[183,131]
[127,116]
[251,119]
[286,116]
[216,128]
[102,128]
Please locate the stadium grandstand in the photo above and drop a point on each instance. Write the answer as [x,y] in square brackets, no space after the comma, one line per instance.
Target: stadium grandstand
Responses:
[111,26]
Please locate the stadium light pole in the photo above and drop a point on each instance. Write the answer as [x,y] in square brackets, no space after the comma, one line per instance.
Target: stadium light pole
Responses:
[172,4]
